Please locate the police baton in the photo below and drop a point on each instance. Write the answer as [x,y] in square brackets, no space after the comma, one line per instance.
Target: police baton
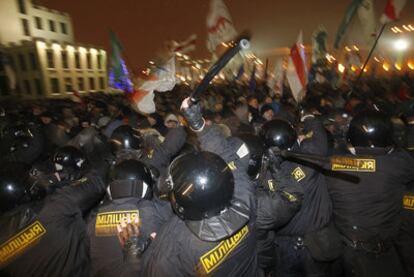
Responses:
[337,162]
[242,43]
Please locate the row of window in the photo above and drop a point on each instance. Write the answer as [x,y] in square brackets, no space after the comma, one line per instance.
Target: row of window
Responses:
[28,88]
[51,61]
[55,88]
[65,62]
[52,25]
[23,65]
[39,25]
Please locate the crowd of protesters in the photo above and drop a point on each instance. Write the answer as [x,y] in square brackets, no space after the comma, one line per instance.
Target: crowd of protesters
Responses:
[234,109]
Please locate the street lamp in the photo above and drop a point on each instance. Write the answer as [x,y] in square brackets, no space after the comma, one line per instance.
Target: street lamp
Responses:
[401,45]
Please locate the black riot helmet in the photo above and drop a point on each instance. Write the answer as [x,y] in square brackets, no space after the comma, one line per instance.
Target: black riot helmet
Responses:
[68,158]
[125,138]
[18,137]
[370,129]
[14,186]
[278,133]
[202,184]
[130,178]
[256,149]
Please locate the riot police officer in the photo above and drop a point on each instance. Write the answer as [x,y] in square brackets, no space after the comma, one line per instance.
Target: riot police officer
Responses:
[129,195]
[294,256]
[46,237]
[213,230]
[367,207]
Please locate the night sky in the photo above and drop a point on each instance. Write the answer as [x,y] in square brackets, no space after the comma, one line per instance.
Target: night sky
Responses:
[142,25]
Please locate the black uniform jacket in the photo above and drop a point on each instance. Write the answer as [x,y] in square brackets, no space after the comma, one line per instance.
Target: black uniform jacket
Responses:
[367,197]
[178,252]
[106,253]
[49,238]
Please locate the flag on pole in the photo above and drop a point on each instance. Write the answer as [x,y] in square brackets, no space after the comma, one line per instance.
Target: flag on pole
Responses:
[10,74]
[187,45]
[296,72]
[276,82]
[349,15]
[392,11]
[118,74]
[219,25]
[162,80]
[366,15]
[319,44]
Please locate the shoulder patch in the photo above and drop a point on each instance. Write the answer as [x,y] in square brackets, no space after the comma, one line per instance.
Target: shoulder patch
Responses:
[408,202]
[298,174]
[106,223]
[242,151]
[21,241]
[356,165]
[212,259]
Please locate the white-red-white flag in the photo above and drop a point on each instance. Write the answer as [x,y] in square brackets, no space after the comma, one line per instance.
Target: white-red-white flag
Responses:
[187,45]
[219,25]
[297,74]
[162,80]
[392,10]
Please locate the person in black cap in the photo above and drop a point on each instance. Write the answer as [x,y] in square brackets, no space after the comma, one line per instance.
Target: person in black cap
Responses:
[44,237]
[367,206]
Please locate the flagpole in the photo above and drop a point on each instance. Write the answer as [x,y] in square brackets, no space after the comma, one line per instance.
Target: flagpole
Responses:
[371,52]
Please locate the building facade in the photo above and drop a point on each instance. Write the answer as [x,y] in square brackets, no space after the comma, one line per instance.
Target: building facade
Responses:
[40,57]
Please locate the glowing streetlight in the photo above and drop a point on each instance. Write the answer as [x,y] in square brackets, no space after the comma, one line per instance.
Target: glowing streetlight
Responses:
[401,45]
[341,68]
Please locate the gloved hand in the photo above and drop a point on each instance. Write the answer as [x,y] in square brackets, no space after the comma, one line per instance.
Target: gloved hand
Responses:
[192,112]
[133,245]
[275,158]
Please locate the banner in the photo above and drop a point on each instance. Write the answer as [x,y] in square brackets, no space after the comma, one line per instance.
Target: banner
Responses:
[219,25]
[162,80]
[319,44]
[296,73]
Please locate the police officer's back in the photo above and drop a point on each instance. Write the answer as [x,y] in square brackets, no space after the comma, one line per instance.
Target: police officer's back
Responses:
[46,237]
[129,197]
[367,197]
[213,231]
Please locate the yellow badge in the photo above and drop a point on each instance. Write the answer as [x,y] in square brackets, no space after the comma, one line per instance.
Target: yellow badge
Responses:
[150,154]
[271,185]
[408,202]
[298,174]
[20,242]
[232,166]
[351,164]
[106,223]
[218,254]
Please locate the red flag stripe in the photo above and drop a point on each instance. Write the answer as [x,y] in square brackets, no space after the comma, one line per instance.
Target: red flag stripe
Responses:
[298,63]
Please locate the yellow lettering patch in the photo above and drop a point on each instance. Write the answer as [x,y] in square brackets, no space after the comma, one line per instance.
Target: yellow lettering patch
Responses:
[20,242]
[298,174]
[350,164]
[408,202]
[218,254]
[106,223]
